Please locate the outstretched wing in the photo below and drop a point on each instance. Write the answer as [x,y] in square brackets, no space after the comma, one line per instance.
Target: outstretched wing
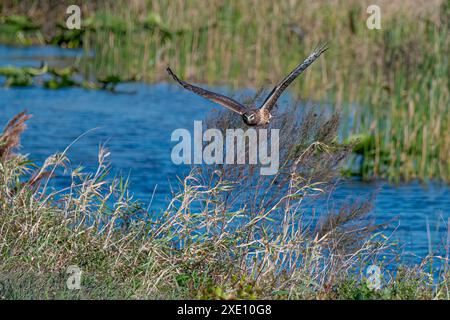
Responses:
[278,90]
[215,97]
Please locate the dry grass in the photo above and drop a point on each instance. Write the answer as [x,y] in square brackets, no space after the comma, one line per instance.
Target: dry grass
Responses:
[10,138]
[212,241]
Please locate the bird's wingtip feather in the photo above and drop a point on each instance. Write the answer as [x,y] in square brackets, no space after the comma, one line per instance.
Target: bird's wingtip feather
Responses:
[170,72]
[321,48]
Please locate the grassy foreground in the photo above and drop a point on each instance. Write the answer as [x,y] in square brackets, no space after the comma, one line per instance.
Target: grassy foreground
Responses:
[393,83]
[202,245]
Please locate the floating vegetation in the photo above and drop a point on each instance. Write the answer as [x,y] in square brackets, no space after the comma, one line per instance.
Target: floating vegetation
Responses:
[63,72]
[20,80]
[109,82]
[61,77]
[11,71]
[59,83]
[21,76]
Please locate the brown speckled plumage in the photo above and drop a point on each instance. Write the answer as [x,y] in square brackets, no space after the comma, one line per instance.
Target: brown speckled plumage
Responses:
[250,115]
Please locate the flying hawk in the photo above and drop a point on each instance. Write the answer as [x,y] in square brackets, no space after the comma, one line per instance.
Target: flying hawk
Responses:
[253,116]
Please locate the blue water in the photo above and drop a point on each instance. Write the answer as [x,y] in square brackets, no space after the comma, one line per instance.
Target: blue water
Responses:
[136,128]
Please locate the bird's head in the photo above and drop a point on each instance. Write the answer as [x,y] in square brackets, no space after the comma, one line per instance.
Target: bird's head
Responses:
[250,118]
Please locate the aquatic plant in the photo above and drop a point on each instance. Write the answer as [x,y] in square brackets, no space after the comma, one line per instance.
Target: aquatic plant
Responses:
[11,71]
[109,82]
[21,76]
[16,23]
[62,77]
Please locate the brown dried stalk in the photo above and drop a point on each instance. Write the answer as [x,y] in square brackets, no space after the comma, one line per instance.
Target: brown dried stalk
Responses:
[10,138]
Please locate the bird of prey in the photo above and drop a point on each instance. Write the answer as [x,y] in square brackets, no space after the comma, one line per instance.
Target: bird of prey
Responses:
[252,115]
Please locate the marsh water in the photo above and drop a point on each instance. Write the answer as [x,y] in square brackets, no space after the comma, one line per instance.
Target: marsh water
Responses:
[136,124]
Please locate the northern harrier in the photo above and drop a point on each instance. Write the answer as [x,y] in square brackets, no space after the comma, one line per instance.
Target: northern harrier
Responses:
[251,115]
